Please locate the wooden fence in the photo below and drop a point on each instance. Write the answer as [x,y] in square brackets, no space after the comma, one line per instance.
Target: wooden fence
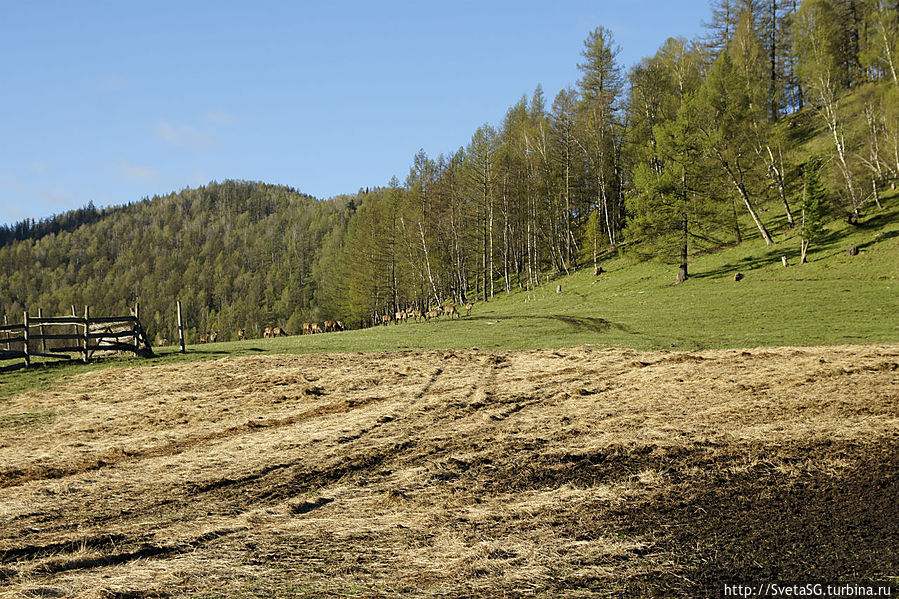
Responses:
[60,336]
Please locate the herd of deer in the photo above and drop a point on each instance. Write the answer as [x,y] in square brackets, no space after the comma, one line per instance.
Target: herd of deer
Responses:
[446,310]
[310,328]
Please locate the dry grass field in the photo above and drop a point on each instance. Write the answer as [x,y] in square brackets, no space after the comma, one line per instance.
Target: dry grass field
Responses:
[586,471]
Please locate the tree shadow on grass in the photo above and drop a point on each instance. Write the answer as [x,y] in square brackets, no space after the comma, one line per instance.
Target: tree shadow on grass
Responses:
[772,257]
[878,239]
[218,352]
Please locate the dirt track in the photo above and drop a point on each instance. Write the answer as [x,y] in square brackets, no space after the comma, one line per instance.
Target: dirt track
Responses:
[578,472]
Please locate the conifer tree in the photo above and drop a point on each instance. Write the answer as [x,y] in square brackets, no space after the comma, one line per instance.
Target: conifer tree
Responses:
[813,207]
[727,118]
[600,88]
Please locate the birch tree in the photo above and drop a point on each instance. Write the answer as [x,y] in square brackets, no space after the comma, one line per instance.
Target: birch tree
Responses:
[816,38]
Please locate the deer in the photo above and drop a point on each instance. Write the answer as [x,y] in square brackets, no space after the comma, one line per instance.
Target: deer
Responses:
[279,332]
[450,310]
[315,328]
[339,324]
[204,338]
[241,335]
[213,336]
[267,332]
[468,307]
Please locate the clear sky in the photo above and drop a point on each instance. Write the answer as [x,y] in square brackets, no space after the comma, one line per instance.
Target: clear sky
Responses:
[112,101]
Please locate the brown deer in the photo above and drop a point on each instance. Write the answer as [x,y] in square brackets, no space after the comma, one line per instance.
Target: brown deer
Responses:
[213,336]
[279,332]
[204,338]
[417,315]
[315,328]
[450,310]
[339,324]
[267,332]
[432,314]
[307,330]
[241,335]
[468,307]
[330,325]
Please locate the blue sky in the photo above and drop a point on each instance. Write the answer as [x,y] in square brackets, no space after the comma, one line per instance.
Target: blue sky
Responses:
[113,101]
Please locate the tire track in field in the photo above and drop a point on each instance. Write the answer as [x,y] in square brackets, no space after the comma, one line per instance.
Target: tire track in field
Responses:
[16,477]
[281,481]
[60,557]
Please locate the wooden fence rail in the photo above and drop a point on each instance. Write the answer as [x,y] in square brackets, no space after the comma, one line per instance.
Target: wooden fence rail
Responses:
[86,336]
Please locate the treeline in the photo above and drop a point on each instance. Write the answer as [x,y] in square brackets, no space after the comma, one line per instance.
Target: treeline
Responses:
[68,221]
[706,143]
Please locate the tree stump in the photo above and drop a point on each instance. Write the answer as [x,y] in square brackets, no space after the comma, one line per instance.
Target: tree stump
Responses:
[852,251]
[738,276]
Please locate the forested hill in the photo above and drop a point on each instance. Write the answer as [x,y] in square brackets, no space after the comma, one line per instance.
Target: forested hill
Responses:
[237,254]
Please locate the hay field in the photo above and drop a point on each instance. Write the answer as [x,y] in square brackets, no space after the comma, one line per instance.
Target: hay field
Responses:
[585,471]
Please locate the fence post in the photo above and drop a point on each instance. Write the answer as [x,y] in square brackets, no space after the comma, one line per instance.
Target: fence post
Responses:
[181,329]
[25,344]
[87,316]
[6,322]
[40,316]
[136,322]
[74,326]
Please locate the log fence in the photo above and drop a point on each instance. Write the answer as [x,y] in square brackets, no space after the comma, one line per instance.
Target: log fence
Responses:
[71,335]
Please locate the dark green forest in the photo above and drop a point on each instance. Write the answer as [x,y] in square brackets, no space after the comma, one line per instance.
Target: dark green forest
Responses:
[708,143]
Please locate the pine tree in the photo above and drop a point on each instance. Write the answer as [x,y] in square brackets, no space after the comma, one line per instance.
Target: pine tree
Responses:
[813,205]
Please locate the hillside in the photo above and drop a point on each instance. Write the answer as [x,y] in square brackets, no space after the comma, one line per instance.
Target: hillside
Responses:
[834,298]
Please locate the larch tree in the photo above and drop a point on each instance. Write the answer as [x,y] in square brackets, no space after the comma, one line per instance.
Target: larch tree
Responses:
[562,121]
[726,118]
[600,90]
[480,170]
[666,210]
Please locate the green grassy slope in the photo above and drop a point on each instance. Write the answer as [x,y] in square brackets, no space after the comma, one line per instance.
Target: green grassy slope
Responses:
[832,299]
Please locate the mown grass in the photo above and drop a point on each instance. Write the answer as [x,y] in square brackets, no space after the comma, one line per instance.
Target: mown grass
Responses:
[833,299]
